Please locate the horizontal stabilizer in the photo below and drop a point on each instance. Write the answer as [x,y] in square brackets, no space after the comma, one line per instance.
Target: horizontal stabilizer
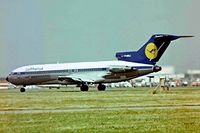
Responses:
[185,36]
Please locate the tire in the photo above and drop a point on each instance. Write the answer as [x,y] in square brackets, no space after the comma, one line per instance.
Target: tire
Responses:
[101,87]
[84,88]
[22,89]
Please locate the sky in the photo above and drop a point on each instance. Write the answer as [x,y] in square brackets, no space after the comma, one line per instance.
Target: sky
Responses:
[61,31]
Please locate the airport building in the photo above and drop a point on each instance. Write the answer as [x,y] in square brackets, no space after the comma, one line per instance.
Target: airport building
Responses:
[193,76]
[167,74]
[3,83]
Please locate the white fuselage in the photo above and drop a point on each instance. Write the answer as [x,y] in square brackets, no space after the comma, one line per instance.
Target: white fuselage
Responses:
[76,73]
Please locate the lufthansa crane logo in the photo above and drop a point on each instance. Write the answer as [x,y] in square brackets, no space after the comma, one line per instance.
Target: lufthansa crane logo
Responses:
[151,51]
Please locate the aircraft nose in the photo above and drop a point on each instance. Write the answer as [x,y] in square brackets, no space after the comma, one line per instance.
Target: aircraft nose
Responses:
[7,79]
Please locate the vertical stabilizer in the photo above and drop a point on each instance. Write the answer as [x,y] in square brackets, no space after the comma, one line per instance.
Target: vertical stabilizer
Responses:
[150,52]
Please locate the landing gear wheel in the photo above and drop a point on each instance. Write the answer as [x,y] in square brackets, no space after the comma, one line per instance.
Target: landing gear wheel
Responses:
[84,87]
[101,87]
[22,89]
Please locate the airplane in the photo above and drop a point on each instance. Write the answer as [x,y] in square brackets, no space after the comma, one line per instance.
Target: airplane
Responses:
[128,65]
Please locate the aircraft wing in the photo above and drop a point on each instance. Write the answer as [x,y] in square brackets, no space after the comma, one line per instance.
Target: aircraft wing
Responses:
[93,77]
[90,78]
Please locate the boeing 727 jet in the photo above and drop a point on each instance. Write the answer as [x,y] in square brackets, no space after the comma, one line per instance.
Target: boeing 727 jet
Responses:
[128,66]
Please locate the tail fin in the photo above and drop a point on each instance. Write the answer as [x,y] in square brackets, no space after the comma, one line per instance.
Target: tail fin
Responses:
[151,52]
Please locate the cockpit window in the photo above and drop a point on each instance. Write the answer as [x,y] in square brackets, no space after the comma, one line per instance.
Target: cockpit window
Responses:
[14,73]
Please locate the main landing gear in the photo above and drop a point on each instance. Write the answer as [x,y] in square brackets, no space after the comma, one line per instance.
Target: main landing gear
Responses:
[22,89]
[100,87]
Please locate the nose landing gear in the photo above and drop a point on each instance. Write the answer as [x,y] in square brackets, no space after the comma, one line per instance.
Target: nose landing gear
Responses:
[84,87]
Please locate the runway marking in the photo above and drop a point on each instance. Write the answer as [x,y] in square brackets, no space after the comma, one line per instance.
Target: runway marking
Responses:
[59,110]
